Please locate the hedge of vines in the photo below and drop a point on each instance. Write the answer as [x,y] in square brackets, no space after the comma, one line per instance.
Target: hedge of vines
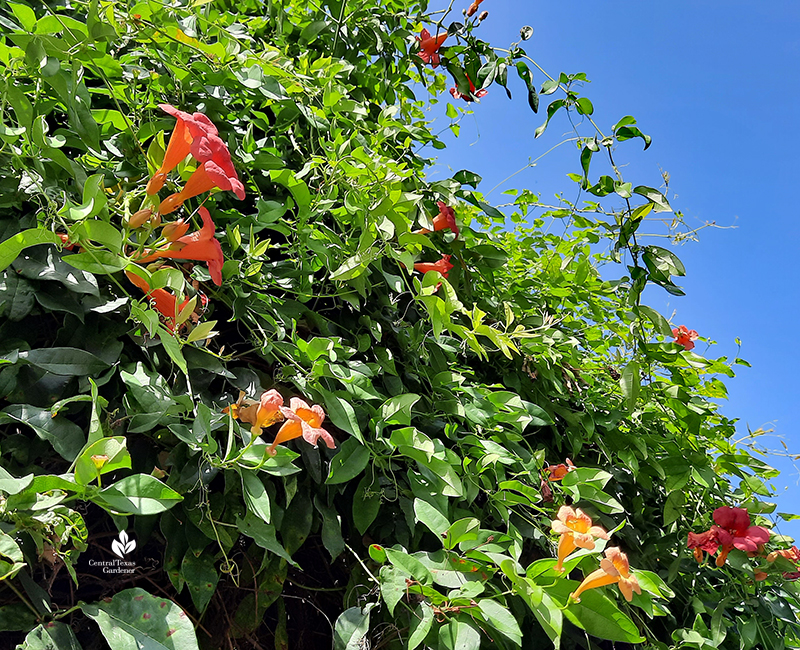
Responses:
[265,384]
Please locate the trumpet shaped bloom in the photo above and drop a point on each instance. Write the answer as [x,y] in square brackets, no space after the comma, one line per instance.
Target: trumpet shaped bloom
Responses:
[200,245]
[685,337]
[188,135]
[442,221]
[260,413]
[163,301]
[791,554]
[302,420]
[443,266]
[216,171]
[576,530]
[429,46]
[734,531]
[707,541]
[614,569]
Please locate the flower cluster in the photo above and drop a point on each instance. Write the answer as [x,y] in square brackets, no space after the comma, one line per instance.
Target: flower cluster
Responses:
[732,530]
[195,134]
[577,531]
[685,337]
[299,419]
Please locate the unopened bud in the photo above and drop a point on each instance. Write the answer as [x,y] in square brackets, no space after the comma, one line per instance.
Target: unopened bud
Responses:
[483,16]
[139,218]
[175,230]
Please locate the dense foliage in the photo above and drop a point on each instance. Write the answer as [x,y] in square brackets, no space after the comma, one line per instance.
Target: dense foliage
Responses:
[264,384]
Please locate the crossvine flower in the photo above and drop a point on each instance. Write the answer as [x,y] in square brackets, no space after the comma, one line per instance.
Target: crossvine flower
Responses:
[685,337]
[302,420]
[429,46]
[576,530]
[614,569]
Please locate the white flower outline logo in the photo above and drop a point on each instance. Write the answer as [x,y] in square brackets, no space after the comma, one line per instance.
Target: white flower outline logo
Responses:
[123,545]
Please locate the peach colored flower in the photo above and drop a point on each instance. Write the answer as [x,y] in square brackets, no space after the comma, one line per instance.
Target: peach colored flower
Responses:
[576,530]
[614,569]
[302,420]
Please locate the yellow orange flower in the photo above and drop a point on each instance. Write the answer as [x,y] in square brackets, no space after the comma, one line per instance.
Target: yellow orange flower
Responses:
[576,530]
[302,420]
[259,413]
[614,569]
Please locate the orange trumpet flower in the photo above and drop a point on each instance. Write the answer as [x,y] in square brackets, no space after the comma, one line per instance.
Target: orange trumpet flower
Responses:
[302,420]
[614,569]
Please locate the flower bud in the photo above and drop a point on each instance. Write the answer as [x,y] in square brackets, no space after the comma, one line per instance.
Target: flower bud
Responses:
[175,230]
[139,218]
[483,16]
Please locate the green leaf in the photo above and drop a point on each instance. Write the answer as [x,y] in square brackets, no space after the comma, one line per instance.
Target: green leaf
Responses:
[501,619]
[459,635]
[140,494]
[25,15]
[630,384]
[659,322]
[656,197]
[94,197]
[117,457]
[134,619]
[431,517]
[600,617]
[342,414]
[366,503]
[255,494]
[397,410]
[173,348]
[66,437]
[201,578]
[51,636]
[351,629]
[421,623]
[263,534]
[410,565]
[349,462]
[97,261]
[14,245]
[65,361]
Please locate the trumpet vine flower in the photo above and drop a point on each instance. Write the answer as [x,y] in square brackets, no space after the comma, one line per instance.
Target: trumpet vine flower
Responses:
[442,221]
[557,472]
[429,46]
[443,266]
[732,530]
[188,135]
[302,420]
[216,170]
[576,530]
[614,569]
[163,301]
[200,245]
[685,337]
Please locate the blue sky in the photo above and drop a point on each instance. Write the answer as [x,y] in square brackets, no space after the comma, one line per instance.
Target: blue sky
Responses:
[717,86]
